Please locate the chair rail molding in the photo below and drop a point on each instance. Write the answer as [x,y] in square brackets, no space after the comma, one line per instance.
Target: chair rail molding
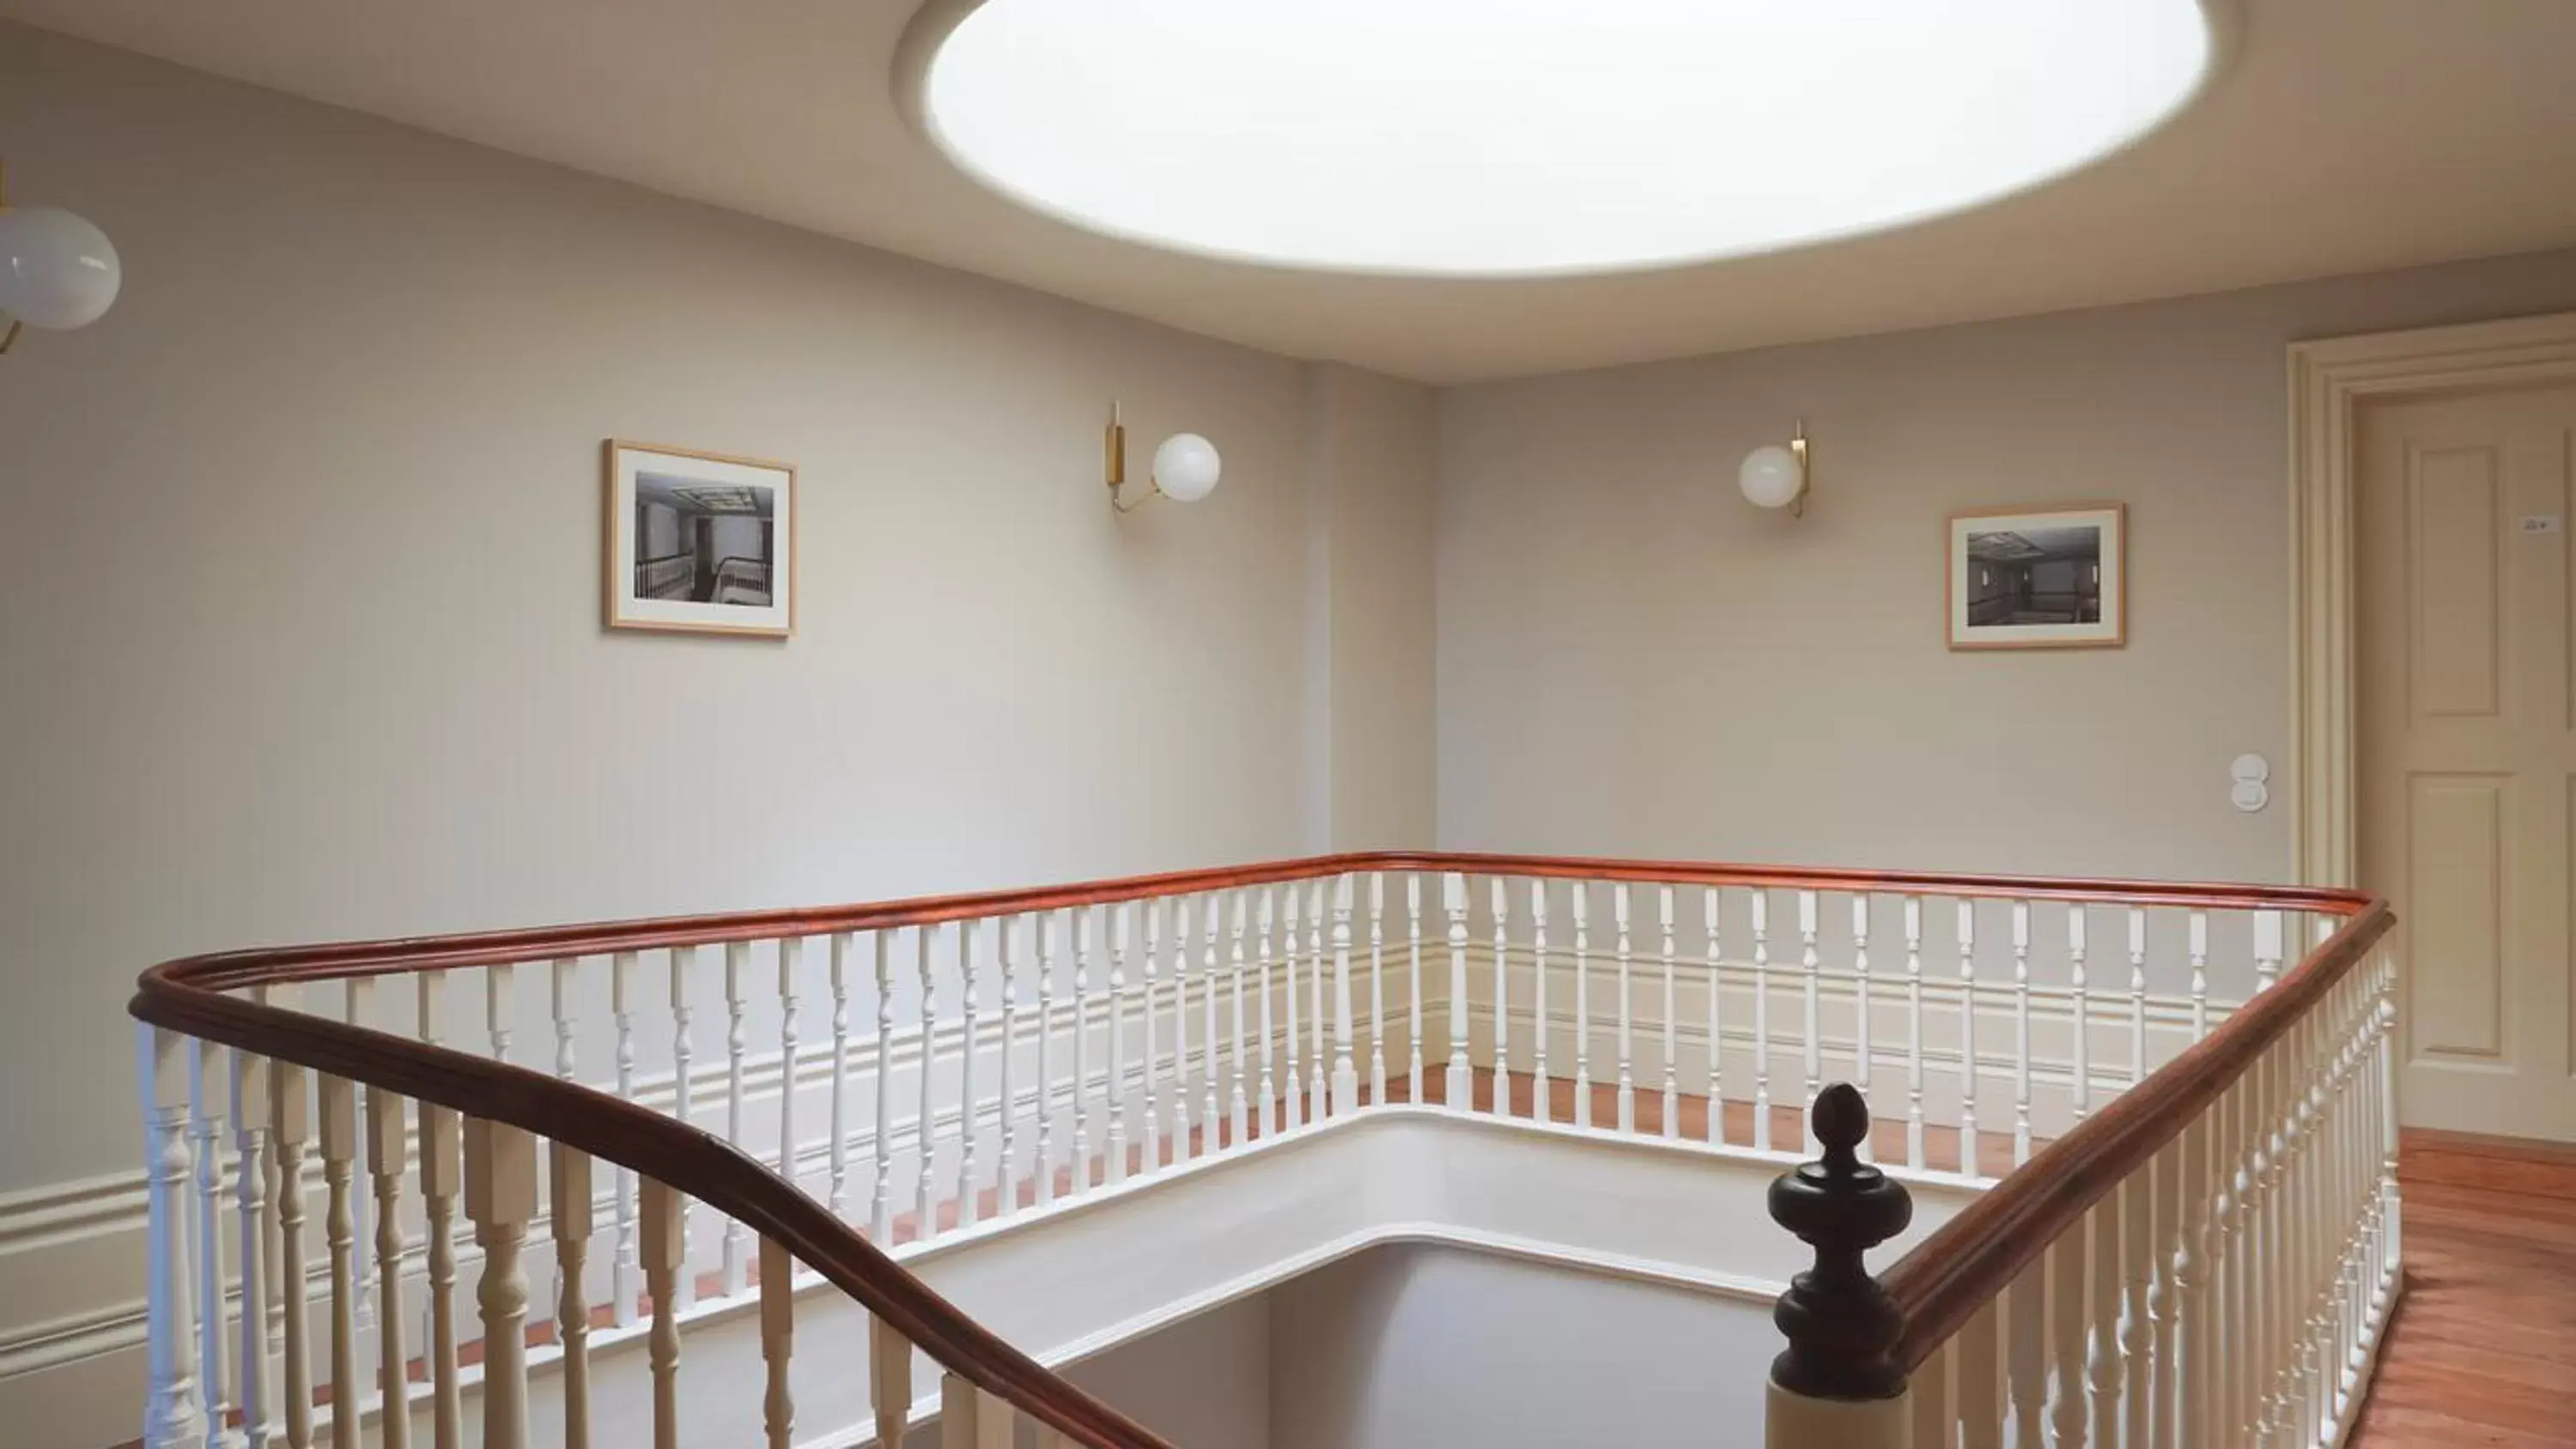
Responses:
[2330,380]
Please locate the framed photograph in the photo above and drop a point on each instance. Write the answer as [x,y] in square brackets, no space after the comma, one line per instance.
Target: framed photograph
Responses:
[2040,578]
[699,543]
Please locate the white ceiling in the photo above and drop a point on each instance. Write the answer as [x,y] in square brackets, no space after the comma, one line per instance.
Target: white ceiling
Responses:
[2346,135]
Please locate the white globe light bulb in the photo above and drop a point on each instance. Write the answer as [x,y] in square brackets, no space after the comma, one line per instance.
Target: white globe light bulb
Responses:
[56,270]
[1770,476]
[1186,467]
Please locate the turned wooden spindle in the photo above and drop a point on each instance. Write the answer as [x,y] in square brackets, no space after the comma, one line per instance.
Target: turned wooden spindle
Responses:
[1837,1381]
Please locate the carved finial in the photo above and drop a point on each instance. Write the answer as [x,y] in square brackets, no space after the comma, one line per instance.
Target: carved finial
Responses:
[1839,1322]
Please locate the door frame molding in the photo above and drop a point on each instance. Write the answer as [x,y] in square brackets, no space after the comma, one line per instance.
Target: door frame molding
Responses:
[2330,379]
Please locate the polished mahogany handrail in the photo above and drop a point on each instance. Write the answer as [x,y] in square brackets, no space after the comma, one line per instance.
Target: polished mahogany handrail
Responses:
[1970,1260]
[187,995]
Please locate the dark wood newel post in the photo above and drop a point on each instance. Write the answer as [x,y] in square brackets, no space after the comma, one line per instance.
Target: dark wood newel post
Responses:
[1838,1380]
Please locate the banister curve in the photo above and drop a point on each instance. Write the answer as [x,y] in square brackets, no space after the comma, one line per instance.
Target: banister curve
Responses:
[1937,1286]
[1975,1256]
[697,1163]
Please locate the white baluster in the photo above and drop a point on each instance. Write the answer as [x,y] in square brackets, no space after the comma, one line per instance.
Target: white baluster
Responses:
[256,1366]
[174,1412]
[1968,1065]
[1269,1080]
[2021,1031]
[500,1008]
[1580,894]
[890,1354]
[1542,1098]
[1210,908]
[736,1262]
[1007,1175]
[1672,1050]
[1042,925]
[777,1342]
[1710,913]
[1377,987]
[2165,1370]
[881,1145]
[1935,1416]
[2199,975]
[500,1199]
[1502,912]
[972,1418]
[1316,1081]
[1761,1019]
[1627,1094]
[626,1273]
[2026,1352]
[1153,1138]
[926,1134]
[388,1157]
[1810,968]
[290,1132]
[569,1182]
[1118,927]
[970,1178]
[1180,1117]
[1914,1031]
[441,1180]
[2083,1010]
[2137,995]
[1979,1348]
[1413,919]
[1296,1103]
[1462,1073]
[2267,949]
[1346,1076]
[1860,1008]
[2193,1340]
[2137,1327]
[206,1133]
[665,1252]
[2068,1322]
[791,956]
[1239,1105]
[2105,1370]
[682,1083]
[838,1198]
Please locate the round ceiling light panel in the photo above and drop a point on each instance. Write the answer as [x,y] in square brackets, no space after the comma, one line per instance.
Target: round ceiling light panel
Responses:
[1530,137]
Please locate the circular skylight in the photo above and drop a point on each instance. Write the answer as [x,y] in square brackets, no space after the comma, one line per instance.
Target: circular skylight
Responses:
[1482,137]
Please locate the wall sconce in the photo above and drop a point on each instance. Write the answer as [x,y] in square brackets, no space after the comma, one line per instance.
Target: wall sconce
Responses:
[1185,467]
[57,271]
[1776,477]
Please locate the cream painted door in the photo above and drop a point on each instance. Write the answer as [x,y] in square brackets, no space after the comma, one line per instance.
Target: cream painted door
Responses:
[2468,747]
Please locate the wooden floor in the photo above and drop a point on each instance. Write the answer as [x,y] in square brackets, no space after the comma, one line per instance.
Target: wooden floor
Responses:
[2483,1349]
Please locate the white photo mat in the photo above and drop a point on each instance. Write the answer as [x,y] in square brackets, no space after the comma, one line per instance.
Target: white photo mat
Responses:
[2053,576]
[723,496]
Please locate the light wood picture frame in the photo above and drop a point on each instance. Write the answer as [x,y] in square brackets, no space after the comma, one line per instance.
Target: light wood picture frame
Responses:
[697,542]
[2048,576]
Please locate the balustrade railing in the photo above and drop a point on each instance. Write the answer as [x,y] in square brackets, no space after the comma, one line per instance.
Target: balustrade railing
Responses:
[887,1077]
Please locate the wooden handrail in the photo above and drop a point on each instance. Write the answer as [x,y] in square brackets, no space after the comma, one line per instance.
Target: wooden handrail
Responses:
[188,996]
[1974,1257]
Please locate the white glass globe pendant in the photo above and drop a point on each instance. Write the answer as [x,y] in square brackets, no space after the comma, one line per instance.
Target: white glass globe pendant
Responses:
[1775,475]
[57,271]
[1186,467]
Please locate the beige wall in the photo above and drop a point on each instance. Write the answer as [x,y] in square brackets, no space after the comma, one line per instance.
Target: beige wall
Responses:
[1370,449]
[1411,1346]
[1633,660]
[301,603]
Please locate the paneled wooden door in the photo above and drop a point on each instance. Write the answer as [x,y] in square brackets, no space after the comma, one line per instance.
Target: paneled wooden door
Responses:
[2468,746]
